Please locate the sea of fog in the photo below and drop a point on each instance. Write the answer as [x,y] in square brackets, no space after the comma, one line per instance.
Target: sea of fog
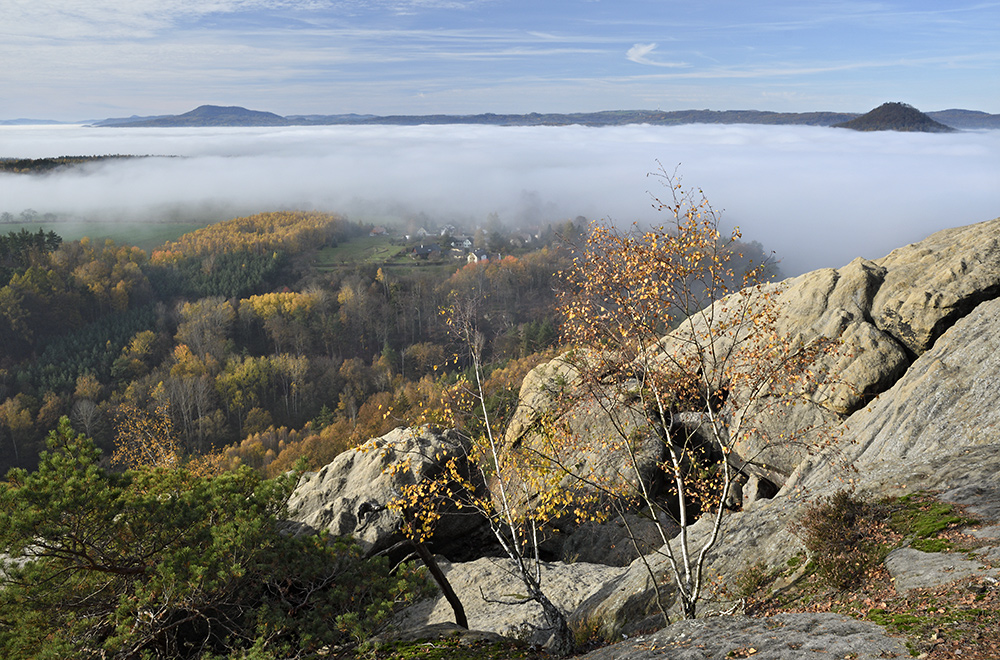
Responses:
[815,196]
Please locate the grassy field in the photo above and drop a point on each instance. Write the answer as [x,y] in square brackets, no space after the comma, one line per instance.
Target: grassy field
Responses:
[148,236]
[381,251]
[367,249]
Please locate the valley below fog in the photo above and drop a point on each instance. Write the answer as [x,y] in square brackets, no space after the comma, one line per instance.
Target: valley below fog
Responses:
[815,196]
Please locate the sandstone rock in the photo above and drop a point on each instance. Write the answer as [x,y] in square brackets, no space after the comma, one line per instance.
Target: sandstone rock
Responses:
[487,588]
[628,604]
[884,312]
[349,495]
[781,637]
[613,543]
[553,399]
[912,569]
[538,396]
[835,305]
[947,400]
[930,284]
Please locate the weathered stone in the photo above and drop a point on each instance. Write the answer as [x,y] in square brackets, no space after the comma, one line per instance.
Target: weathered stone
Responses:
[948,399]
[918,380]
[833,305]
[490,590]
[759,536]
[539,394]
[821,636]
[912,569]
[349,495]
[553,401]
[614,542]
[930,284]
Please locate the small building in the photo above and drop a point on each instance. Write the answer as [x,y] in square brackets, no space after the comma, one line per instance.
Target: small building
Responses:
[432,251]
[477,256]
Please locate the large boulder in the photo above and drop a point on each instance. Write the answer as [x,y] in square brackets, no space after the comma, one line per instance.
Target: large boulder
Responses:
[553,399]
[490,593]
[350,495]
[632,602]
[947,399]
[935,429]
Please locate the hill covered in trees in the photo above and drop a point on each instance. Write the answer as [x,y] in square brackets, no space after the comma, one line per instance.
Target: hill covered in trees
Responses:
[895,117]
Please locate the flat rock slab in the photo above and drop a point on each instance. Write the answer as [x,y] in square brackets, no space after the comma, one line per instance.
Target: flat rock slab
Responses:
[912,569]
[991,532]
[817,636]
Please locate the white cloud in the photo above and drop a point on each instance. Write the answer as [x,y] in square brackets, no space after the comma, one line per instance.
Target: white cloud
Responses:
[110,19]
[639,53]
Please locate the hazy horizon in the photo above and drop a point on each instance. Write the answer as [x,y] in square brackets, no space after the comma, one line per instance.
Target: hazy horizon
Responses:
[816,196]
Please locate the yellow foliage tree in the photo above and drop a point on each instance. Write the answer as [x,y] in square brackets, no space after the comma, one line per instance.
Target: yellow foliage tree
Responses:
[495,483]
[675,360]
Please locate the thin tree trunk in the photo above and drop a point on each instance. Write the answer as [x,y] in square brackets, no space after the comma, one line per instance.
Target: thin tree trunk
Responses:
[442,581]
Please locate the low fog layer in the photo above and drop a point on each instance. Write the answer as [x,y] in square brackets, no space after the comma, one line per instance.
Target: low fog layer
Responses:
[816,196]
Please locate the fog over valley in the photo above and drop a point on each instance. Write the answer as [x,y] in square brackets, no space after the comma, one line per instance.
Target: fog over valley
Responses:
[816,196]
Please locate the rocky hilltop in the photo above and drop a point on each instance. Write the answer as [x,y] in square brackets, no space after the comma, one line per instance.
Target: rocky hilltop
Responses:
[895,117]
[915,408]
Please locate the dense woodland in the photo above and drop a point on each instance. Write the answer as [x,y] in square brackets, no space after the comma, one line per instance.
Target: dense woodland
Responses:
[233,339]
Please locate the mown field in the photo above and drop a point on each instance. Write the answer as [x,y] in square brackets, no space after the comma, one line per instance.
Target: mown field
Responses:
[147,236]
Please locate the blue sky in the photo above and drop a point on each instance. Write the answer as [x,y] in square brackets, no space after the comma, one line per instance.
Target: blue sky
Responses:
[83,59]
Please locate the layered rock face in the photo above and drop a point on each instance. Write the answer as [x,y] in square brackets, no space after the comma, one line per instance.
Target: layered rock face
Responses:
[933,428]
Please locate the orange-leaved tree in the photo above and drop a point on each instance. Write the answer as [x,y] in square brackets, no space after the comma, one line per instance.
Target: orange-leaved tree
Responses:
[684,361]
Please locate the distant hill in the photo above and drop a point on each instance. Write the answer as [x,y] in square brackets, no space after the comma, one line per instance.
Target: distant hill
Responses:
[891,116]
[895,117]
[28,122]
[118,121]
[213,115]
[968,119]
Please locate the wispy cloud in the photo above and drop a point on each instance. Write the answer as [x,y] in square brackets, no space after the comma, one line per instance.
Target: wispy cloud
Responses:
[639,53]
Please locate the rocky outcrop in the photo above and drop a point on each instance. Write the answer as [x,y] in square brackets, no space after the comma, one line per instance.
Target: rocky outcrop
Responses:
[931,284]
[884,314]
[349,496]
[914,406]
[912,569]
[935,429]
[553,398]
[947,400]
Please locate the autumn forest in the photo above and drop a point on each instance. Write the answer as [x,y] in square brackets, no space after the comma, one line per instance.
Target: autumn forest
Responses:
[232,341]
